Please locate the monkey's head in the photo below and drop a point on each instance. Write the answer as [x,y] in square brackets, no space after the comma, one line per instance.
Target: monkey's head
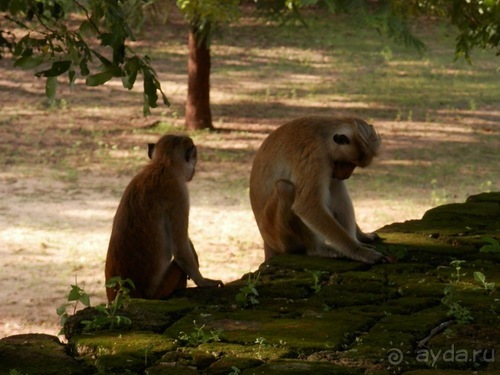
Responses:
[175,151]
[354,144]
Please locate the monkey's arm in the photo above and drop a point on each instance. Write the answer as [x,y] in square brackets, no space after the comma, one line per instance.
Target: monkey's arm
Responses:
[185,255]
[311,208]
[188,263]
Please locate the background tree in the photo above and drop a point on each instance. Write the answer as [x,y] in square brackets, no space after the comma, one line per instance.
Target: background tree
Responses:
[203,17]
[50,41]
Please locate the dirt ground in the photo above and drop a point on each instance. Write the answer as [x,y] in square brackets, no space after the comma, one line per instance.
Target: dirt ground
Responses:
[63,171]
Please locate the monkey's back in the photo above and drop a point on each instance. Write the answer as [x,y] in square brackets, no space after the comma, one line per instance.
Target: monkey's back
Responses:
[139,237]
[292,145]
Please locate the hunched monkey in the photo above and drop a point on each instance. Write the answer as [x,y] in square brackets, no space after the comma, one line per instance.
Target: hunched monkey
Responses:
[151,225]
[297,190]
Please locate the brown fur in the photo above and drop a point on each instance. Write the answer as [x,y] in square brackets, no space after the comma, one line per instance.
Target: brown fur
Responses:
[151,225]
[297,191]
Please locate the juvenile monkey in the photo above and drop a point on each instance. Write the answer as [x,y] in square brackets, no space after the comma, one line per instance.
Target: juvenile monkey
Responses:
[151,225]
[297,189]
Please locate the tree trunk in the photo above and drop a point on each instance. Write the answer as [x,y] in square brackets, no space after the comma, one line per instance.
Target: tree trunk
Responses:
[198,114]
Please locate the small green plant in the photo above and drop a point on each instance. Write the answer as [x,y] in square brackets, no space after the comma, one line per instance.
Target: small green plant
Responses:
[458,266]
[481,278]
[147,351]
[199,336]
[122,298]
[235,371]
[493,246]
[317,280]
[461,314]
[248,294]
[108,316]
[263,344]
[75,296]
[455,309]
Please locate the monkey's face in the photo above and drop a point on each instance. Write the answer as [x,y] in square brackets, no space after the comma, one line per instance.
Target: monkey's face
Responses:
[190,159]
[342,170]
[352,145]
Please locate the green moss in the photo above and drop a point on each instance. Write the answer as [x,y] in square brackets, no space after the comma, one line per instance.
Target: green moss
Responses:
[167,368]
[37,353]
[396,333]
[119,364]
[419,323]
[227,363]
[189,357]
[493,197]
[314,330]
[295,367]
[301,263]
[469,337]
[113,352]
[168,307]
[121,342]
[411,304]
[455,224]
[378,346]
[443,372]
[145,315]
[264,351]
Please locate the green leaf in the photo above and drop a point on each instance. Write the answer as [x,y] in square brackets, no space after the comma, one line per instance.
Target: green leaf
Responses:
[491,240]
[131,69]
[75,293]
[111,283]
[61,309]
[479,277]
[492,247]
[99,78]
[23,46]
[150,89]
[103,60]
[123,320]
[84,69]
[130,283]
[28,62]
[85,299]
[58,68]
[165,100]
[51,89]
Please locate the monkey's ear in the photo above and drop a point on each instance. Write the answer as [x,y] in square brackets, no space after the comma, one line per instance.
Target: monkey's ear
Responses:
[341,139]
[151,147]
[190,153]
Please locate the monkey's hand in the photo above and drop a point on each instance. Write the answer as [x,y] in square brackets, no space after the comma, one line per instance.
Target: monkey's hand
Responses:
[210,283]
[367,254]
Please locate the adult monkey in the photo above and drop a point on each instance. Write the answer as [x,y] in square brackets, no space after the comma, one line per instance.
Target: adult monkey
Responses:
[297,188]
[151,225]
